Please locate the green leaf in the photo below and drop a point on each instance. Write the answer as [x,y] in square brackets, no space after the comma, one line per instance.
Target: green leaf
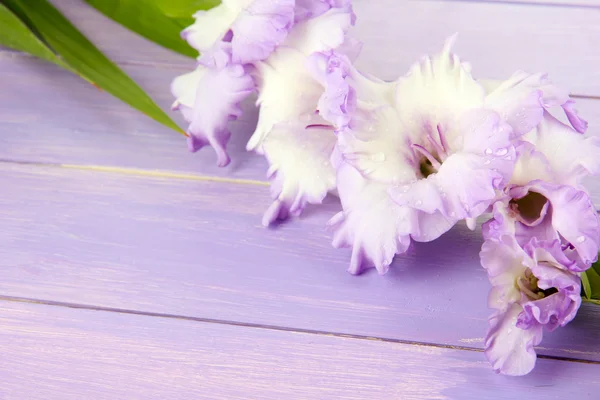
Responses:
[184,8]
[16,35]
[146,19]
[75,50]
[593,301]
[585,283]
[592,275]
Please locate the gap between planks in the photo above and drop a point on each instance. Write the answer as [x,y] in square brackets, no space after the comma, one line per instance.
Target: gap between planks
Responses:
[277,328]
[183,176]
[139,172]
[167,66]
[135,63]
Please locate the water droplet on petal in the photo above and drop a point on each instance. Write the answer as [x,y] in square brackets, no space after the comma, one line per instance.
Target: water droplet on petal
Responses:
[418,203]
[581,239]
[502,152]
[488,151]
[487,162]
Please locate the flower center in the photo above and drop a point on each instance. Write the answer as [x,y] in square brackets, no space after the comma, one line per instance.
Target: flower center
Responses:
[430,161]
[426,167]
[531,208]
[528,284]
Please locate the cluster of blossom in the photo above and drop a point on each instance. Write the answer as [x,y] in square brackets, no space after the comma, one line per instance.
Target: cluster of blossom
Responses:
[409,158]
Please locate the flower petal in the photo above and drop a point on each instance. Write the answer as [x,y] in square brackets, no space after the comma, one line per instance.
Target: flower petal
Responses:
[306,9]
[218,95]
[260,28]
[519,101]
[574,217]
[522,98]
[286,92]
[211,26]
[570,155]
[509,349]
[501,222]
[322,33]
[435,91]
[184,88]
[552,311]
[343,83]
[386,156]
[300,172]
[531,165]
[338,101]
[578,123]
[431,226]
[371,223]
[504,262]
[466,182]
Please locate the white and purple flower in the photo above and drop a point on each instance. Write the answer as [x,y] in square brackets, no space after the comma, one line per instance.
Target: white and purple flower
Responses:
[262,46]
[231,37]
[543,234]
[533,288]
[431,148]
[408,158]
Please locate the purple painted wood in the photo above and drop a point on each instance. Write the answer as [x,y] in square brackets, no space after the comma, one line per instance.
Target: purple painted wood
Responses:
[81,354]
[181,244]
[496,39]
[196,248]
[58,118]
[558,39]
[47,122]
[545,3]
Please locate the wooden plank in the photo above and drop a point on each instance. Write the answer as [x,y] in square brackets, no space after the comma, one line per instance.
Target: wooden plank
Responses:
[196,248]
[543,3]
[496,37]
[559,40]
[49,115]
[58,353]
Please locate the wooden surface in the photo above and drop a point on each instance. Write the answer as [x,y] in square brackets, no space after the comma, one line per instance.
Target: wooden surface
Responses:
[82,354]
[133,269]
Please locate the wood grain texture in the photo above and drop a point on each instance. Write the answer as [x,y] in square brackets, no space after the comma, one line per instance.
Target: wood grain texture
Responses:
[49,115]
[189,247]
[541,3]
[80,354]
[497,38]
[197,249]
